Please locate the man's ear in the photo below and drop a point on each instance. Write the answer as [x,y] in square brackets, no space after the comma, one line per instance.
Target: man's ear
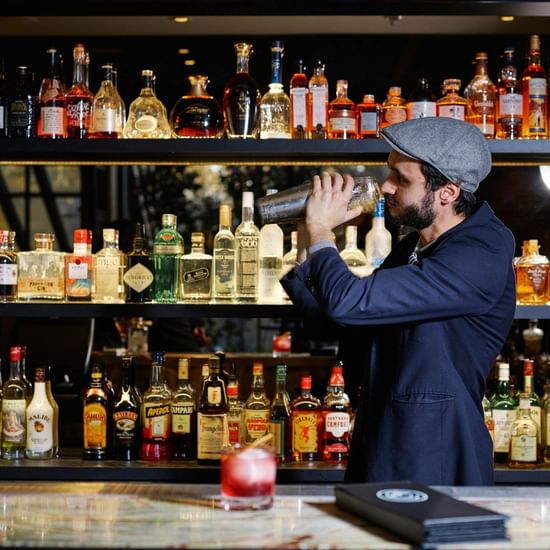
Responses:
[449,193]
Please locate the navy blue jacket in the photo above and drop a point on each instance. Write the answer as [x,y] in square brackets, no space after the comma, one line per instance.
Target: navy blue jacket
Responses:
[432,331]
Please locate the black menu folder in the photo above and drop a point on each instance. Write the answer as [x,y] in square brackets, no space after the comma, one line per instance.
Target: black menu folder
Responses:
[422,515]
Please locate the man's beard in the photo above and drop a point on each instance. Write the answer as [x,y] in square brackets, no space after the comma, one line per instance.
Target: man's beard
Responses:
[416,216]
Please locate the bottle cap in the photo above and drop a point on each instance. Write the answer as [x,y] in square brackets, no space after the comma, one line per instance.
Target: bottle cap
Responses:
[169,219]
[395,90]
[280,370]
[524,402]
[82,236]
[305,383]
[183,368]
[337,377]
[15,353]
[248,199]
[233,390]
[368,98]
[257,369]
[158,356]
[503,371]
[528,367]
[225,214]
[214,363]
[197,237]
[110,234]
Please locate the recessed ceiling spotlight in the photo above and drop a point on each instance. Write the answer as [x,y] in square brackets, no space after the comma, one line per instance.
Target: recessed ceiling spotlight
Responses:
[181,19]
[507,18]
[189,62]
[184,51]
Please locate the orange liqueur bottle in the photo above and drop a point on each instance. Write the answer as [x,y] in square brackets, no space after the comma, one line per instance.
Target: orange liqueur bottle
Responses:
[307,424]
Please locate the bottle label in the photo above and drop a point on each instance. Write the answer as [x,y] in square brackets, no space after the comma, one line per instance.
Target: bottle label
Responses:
[47,285]
[39,433]
[453,111]
[304,432]
[510,105]
[2,118]
[163,249]
[156,422]
[537,276]
[20,113]
[247,266]
[368,122]
[214,395]
[53,119]
[196,275]
[126,425]
[78,113]
[337,423]
[256,423]
[393,115]
[8,274]
[13,421]
[537,105]
[95,426]
[342,124]
[298,99]
[523,448]
[420,109]
[234,427]
[319,101]
[503,428]
[146,123]
[77,270]
[212,435]
[138,277]
[277,428]
[224,264]
[181,418]
[105,120]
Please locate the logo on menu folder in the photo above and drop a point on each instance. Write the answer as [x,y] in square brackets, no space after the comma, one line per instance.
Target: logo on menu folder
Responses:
[403,496]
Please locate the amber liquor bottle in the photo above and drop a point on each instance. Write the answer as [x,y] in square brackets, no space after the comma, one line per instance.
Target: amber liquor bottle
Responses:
[509,105]
[138,278]
[298,102]
[184,415]
[318,102]
[368,117]
[79,97]
[307,424]
[342,114]
[52,101]
[480,94]
[524,450]
[532,275]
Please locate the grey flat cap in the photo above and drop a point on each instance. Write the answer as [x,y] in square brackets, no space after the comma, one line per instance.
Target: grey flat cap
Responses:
[457,149]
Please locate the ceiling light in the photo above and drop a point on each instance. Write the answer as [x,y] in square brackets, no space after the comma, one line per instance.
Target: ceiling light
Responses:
[184,51]
[189,62]
[181,19]
[545,175]
[506,18]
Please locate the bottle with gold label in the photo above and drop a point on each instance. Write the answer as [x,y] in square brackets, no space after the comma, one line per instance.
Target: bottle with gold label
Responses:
[524,447]
[256,408]
[307,424]
[184,415]
[532,275]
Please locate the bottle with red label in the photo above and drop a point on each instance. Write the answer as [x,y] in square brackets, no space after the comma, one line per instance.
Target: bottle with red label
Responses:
[336,418]
[235,411]
[307,424]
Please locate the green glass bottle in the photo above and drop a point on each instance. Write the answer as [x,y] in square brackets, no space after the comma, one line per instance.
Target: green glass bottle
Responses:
[504,413]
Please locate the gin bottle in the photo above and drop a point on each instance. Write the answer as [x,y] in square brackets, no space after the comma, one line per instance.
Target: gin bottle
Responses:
[504,413]
[275,104]
[342,114]
[378,239]
[109,264]
[241,98]
[318,102]
[299,102]
[167,252]
[138,278]
[279,416]
[480,94]
[40,420]
[108,109]
[79,268]
[452,105]
[247,237]
[509,105]
[354,258]
[223,264]
[79,97]
[183,410]
[52,102]
[524,450]
[147,115]
[307,424]
[196,270]
[8,267]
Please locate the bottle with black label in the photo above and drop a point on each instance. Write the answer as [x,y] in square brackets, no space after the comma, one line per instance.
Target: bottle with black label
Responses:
[423,102]
[184,415]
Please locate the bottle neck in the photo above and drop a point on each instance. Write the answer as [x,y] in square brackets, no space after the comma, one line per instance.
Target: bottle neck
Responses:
[79,74]
[534,57]
[197,248]
[280,385]
[248,214]
[15,369]
[127,377]
[82,249]
[481,68]
[503,387]
[258,383]
[242,63]
[40,391]
[156,375]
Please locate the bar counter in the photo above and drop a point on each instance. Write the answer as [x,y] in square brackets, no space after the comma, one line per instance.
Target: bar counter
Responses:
[158,515]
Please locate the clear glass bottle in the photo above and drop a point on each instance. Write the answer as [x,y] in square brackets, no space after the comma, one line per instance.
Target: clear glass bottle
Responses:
[183,410]
[480,94]
[256,407]
[279,417]
[275,104]
[139,278]
[369,113]
[108,109]
[509,105]
[147,114]
[290,257]
[378,239]
[342,114]
[14,404]
[394,108]
[241,98]
[109,266]
[41,272]
[504,413]
[352,256]
[8,266]
[197,114]
[318,102]
[235,412]
[79,97]
[22,105]
[452,105]
[524,448]
[307,424]
[79,268]
[271,250]
[336,418]
[196,270]
[529,389]
[247,236]
[23,371]
[422,102]
[299,102]
[223,262]
[167,252]
[52,101]
[40,420]
[532,275]
[535,94]
[55,406]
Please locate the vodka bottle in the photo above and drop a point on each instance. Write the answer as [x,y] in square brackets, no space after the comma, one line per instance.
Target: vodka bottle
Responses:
[247,236]
[223,264]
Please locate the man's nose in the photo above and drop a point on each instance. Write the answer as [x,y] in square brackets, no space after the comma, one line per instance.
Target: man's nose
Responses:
[387,187]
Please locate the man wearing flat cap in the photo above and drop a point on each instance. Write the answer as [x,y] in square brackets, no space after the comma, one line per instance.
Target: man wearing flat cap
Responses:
[425,328]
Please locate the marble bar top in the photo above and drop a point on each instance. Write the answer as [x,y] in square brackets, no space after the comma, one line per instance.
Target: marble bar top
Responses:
[158,515]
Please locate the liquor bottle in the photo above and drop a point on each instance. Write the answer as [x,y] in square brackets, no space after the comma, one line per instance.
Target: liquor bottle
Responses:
[342,114]
[247,236]
[167,250]
[378,239]
[318,102]
[504,413]
[55,406]
[480,94]
[241,98]
[23,372]
[546,423]
[212,430]
[532,338]
[489,422]
[452,105]
[290,257]
[147,114]
[155,417]
[52,102]
[524,436]
[422,102]
[299,102]
[529,389]
[138,278]
[196,270]
[535,94]
[40,420]
[223,262]
[532,275]
[8,266]
[336,418]
[14,404]
[279,417]
[109,266]
[183,410]
[271,250]
[41,272]
[369,113]
[98,405]
[79,268]
[352,256]
[197,114]
[235,412]
[22,105]
[3,100]
[509,106]
[275,104]
[307,424]
[394,108]
[108,109]
[79,97]
[256,407]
